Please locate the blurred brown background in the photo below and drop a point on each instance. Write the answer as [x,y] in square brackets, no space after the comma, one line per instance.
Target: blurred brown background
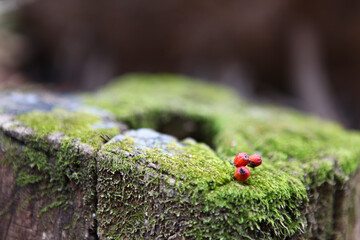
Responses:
[303,54]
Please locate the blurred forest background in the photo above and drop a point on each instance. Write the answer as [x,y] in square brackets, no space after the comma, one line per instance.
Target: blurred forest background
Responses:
[302,54]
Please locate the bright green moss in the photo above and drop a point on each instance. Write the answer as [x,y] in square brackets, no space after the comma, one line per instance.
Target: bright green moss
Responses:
[126,145]
[195,162]
[153,95]
[291,141]
[76,125]
[273,197]
[300,153]
[280,135]
[26,177]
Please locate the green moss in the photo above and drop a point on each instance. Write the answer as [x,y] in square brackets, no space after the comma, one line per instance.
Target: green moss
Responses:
[52,205]
[26,202]
[274,200]
[61,165]
[299,152]
[125,145]
[73,223]
[76,125]
[301,155]
[57,171]
[29,165]
[196,162]
[278,134]
[145,99]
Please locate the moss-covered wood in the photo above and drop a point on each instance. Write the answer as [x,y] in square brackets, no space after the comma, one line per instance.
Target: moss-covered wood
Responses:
[48,177]
[185,190]
[135,188]
[307,162]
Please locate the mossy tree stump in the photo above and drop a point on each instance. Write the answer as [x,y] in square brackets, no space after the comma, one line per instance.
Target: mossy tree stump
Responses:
[70,169]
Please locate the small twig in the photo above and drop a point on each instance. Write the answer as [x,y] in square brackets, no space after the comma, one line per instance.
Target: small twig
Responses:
[105,137]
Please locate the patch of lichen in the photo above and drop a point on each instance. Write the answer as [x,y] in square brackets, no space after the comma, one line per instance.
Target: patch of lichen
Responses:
[76,125]
[300,153]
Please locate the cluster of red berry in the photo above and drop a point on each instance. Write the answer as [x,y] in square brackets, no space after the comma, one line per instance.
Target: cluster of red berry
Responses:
[241,160]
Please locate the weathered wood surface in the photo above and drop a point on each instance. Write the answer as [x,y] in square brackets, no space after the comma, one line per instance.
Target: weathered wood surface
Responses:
[31,211]
[72,171]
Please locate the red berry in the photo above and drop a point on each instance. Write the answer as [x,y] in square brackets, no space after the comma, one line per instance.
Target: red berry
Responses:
[242,159]
[255,160]
[242,173]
